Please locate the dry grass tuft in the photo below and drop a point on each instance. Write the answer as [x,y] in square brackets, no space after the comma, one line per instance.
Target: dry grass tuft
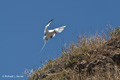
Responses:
[91,58]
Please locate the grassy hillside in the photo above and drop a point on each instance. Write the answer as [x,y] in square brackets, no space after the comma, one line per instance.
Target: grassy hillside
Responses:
[91,58]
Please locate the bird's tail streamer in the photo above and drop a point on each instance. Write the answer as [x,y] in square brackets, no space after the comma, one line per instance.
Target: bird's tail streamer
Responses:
[43,46]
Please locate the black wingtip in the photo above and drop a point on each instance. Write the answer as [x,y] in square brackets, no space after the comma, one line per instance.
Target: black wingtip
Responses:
[51,20]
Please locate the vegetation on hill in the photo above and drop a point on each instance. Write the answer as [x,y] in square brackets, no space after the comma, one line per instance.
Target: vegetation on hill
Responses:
[91,58]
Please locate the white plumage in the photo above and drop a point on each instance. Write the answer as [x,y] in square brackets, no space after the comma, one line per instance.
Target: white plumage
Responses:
[51,33]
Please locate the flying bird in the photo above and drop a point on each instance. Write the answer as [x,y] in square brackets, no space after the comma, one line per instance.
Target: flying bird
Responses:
[51,33]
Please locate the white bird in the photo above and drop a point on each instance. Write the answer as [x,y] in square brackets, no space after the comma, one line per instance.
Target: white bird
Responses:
[51,33]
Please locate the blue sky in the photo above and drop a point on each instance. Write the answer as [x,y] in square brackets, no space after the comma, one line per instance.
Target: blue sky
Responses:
[22,23]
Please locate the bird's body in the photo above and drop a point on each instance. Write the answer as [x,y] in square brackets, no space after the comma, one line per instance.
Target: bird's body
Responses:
[51,33]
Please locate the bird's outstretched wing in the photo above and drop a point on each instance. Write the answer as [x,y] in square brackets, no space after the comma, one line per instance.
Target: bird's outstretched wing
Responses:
[48,24]
[60,29]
